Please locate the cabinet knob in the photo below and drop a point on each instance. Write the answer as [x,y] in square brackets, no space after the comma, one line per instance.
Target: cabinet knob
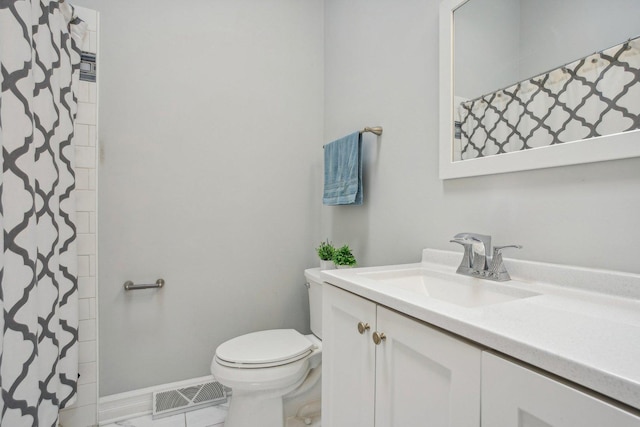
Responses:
[378,337]
[362,327]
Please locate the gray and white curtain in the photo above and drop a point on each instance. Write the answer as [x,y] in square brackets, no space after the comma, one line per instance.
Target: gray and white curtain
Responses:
[594,96]
[39,64]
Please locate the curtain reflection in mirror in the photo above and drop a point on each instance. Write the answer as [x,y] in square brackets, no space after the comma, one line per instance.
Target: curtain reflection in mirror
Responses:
[593,96]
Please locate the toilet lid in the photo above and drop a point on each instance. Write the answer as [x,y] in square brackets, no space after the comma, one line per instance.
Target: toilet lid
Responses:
[265,348]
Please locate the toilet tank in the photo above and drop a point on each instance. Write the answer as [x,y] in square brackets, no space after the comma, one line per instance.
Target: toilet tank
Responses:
[314,286]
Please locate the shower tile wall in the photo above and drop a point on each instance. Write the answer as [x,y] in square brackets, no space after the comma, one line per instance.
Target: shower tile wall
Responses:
[83,412]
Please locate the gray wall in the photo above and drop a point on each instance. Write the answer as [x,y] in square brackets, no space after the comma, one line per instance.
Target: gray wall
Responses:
[381,68]
[210,118]
[211,174]
[554,32]
[501,42]
[486,60]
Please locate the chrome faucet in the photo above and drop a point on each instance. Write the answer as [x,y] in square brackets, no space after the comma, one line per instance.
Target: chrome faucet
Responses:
[476,261]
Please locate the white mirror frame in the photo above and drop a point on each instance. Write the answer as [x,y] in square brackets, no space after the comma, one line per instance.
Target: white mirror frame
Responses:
[609,147]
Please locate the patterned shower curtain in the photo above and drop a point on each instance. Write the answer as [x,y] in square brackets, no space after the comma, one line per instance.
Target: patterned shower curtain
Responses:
[593,96]
[39,64]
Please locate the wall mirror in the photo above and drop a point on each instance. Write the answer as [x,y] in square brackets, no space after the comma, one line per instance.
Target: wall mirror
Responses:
[528,84]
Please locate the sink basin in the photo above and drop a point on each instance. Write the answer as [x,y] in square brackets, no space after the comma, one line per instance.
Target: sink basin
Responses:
[456,289]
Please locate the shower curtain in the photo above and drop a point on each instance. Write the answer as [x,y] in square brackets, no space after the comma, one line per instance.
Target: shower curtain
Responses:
[593,96]
[39,64]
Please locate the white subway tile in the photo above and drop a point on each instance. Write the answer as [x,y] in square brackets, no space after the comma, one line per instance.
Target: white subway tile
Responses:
[87,395]
[83,309]
[92,222]
[93,92]
[84,412]
[85,157]
[92,308]
[87,330]
[86,245]
[92,179]
[88,373]
[83,91]
[82,179]
[86,285]
[92,136]
[83,267]
[87,351]
[86,42]
[81,134]
[82,222]
[86,113]
[86,200]
[89,42]
[92,265]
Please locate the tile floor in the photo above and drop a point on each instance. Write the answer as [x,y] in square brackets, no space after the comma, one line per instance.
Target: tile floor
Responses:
[212,416]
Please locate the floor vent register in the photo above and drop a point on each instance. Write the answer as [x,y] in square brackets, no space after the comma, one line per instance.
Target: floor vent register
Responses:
[185,399]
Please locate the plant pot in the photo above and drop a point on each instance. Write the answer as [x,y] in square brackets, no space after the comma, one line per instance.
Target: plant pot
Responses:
[340,267]
[327,265]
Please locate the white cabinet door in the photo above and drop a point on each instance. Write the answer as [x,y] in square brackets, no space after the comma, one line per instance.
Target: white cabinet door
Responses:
[514,396]
[348,360]
[424,377]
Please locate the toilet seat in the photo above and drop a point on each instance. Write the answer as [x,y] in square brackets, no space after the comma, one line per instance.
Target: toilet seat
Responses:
[264,349]
[274,374]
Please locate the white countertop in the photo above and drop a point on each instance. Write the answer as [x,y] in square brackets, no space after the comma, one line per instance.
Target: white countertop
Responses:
[584,326]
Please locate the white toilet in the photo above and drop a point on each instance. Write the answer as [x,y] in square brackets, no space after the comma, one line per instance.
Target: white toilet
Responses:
[275,375]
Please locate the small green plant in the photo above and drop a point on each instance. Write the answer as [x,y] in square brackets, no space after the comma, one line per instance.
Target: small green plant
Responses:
[344,256]
[326,251]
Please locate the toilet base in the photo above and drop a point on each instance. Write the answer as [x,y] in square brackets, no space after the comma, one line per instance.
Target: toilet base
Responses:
[300,404]
[276,396]
[306,416]
[246,410]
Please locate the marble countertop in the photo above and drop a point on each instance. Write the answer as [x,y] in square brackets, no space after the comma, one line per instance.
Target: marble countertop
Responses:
[583,326]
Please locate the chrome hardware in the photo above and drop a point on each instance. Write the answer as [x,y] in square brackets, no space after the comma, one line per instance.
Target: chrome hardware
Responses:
[308,285]
[476,247]
[378,337]
[130,286]
[498,270]
[363,327]
[476,261]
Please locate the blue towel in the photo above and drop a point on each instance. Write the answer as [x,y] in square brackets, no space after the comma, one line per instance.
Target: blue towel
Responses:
[343,171]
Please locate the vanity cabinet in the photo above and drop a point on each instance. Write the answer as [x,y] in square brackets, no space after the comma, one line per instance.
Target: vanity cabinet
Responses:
[415,375]
[348,359]
[514,396]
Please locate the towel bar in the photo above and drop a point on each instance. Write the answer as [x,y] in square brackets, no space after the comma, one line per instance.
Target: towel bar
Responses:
[377,130]
[130,286]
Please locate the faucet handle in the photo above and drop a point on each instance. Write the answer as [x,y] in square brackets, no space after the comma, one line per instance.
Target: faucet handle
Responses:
[498,269]
[498,249]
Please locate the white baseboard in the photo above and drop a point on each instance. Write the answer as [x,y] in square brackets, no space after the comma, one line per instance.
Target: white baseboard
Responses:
[136,403]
